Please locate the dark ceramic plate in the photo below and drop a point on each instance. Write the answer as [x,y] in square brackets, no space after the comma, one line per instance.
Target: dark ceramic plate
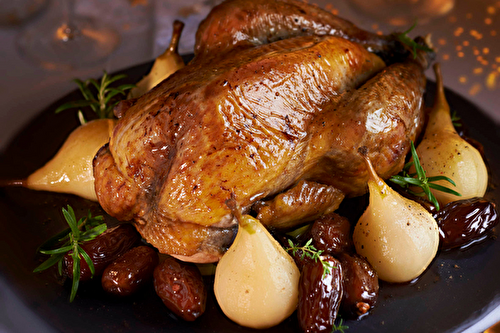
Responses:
[458,289]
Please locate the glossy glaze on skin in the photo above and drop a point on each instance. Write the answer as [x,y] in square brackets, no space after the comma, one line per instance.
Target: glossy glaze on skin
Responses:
[383,116]
[239,125]
[304,202]
[242,23]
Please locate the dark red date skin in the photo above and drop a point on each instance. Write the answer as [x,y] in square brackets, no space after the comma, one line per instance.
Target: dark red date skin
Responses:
[319,296]
[181,288]
[103,250]
[461,222]
[360,286]
[332,234]
[130,271]
[300,259]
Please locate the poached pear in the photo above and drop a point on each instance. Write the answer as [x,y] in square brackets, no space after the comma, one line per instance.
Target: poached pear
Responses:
[442,152]
[397,236]
[256,281]
[70,170]
[164,65]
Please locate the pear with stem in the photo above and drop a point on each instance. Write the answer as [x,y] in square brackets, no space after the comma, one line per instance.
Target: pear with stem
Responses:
[396,235]
[70,170]
[164,65]
[442,152]
[256,281]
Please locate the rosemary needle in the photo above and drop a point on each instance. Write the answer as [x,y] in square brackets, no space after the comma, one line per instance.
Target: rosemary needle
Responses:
[99,96]
[405,39]
[83,230]
[419,179]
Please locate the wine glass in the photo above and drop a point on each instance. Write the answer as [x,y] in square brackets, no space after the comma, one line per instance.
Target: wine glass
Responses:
[67,41]
[17,12]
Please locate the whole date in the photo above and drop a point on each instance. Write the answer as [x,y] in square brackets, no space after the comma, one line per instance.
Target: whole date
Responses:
[320,295]
[130,271]
[181,288]
[103,250]
[463,221]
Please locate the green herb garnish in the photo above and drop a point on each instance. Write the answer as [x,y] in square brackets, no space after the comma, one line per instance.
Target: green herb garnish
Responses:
[405,39]
[84,230]
[308,250]
[405,180]
[100,97]
[339,327]
[455,119]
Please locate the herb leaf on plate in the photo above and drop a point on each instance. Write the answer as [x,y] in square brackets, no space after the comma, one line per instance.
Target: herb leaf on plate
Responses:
[101,97]
[419,179]
[310,251]
[407,40]
[85,229]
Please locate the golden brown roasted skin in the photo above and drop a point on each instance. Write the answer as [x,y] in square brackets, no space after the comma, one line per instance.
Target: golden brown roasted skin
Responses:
[241,23]
[381,117]
[258,122]
[305,201]
[237,126]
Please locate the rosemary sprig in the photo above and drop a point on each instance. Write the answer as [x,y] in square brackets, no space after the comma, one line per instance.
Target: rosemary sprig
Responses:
[99,96]
[405,39]
[405,180]
[455,119]
[84,230]
[309,251]
[340,327]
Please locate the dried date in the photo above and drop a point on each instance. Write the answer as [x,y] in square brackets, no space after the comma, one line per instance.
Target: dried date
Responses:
[319,295]
[181,288]
[103,250]
[332,234]
[130,271]
[360,286]
[463,221]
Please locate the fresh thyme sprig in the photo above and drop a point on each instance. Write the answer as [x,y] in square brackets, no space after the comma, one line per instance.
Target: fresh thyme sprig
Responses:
[309,251]
[85,229]
[99,96]
[405,180]
[340,327]
[405,39]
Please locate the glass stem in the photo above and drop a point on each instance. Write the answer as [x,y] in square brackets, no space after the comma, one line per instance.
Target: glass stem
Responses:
[69,11]
[68,30]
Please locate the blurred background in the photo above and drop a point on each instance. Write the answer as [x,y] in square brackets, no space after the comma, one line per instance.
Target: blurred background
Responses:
[132,32]
[465,33]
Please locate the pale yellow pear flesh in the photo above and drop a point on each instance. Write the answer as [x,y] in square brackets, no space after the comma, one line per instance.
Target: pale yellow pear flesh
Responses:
[70,170]
[463,164]
[256,281]
[442,152]
[396,235]
[164,65]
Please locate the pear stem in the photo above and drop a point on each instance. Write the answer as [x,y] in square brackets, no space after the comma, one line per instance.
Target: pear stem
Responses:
[176,36]
[439,118]
[371,170]
[440,97]
[233,206]
[13,182]
[243,221]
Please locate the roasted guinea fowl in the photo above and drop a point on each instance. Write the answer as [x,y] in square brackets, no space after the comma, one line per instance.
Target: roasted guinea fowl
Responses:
[277,123]
[240,24]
